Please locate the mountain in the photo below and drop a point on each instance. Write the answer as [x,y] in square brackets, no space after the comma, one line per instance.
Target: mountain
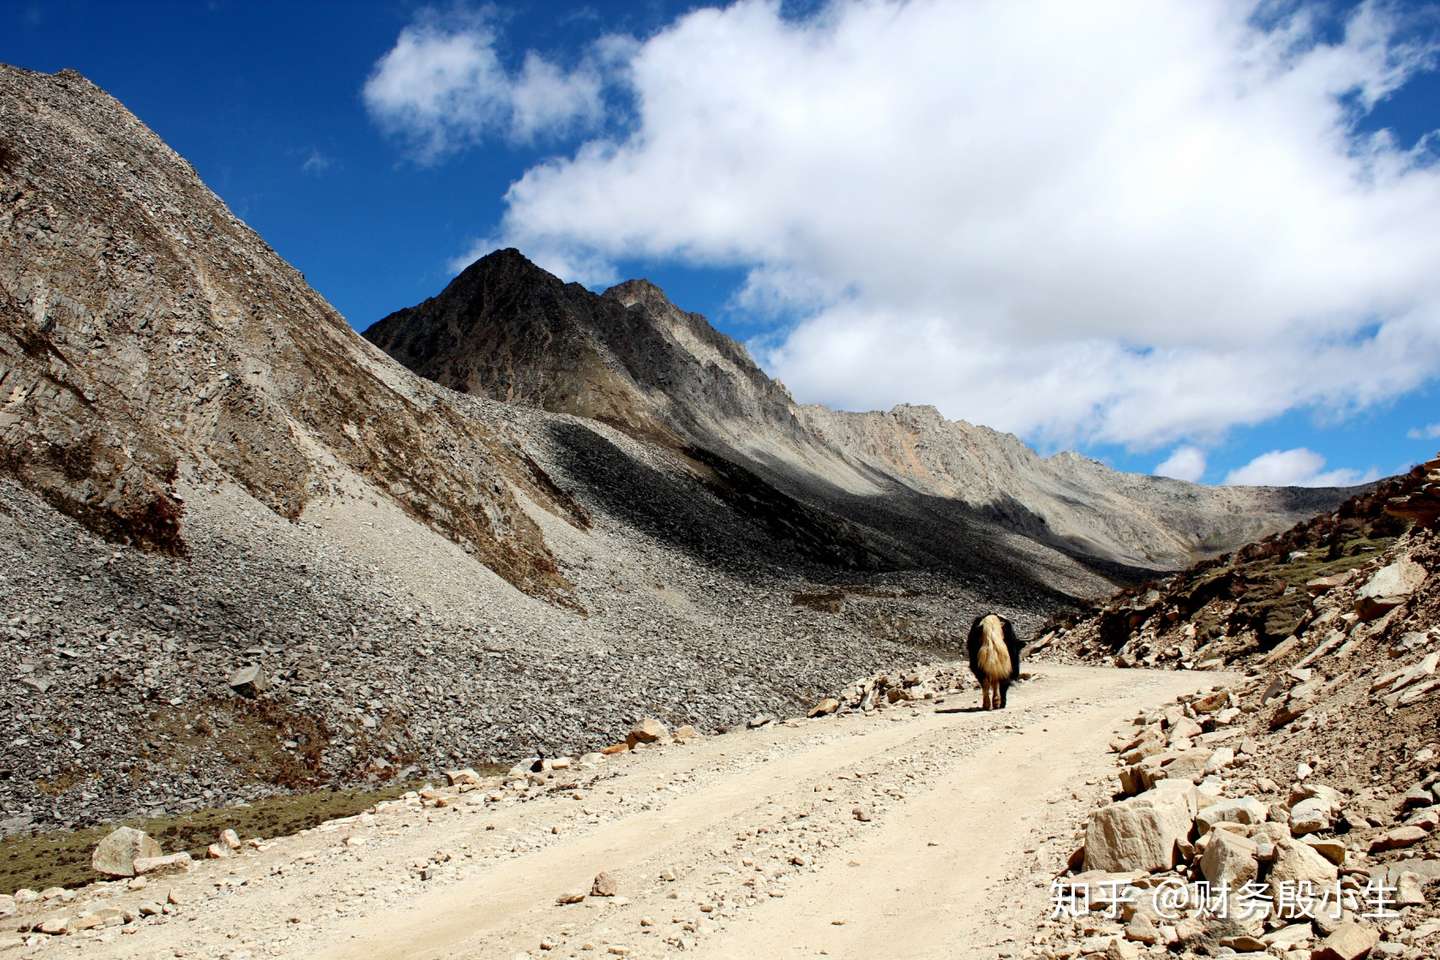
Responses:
[506,329]
[242,550]
[153,342]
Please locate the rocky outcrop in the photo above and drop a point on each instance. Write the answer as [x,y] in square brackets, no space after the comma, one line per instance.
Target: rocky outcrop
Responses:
[1305,588]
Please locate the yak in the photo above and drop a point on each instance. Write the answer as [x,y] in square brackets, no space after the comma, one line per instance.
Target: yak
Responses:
[994,658]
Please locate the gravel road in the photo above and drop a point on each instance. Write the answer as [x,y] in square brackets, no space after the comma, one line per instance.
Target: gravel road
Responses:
[930,830]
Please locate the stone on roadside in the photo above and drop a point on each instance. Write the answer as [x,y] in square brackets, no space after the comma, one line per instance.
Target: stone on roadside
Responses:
[1297,863]
[164,864]
[686,732]
[1220,759]
[1398,839]
[1140,833]
[1332,850]
[603,885]
[1350,941]
[1229,859]
[648,730]
[1409,890]
[230,839]
[1242,810]
[1121,950]
[824,708]
[1311,815]
[462,778]
[1142,929]
[7,905]
[115,855]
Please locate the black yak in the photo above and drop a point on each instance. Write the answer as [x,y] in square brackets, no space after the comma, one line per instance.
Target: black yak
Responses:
[994,657]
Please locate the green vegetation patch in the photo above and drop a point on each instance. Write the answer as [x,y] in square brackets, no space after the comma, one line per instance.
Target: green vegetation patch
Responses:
[61,858]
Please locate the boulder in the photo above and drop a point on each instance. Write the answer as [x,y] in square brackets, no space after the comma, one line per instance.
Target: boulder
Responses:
[603,885]
[1243,810]
[1332,850]
[1220,759]
[1311,815]
[248,681]
[1297,863]
[1288,937]
[686,732]
[1350,941]
[648,730]
[462,778]
[115,855]
[1398,839]
[1409,890]
[1141,833]
[1388,588]
[824,708]
[1184,728]
[1229,859]
[1188,765]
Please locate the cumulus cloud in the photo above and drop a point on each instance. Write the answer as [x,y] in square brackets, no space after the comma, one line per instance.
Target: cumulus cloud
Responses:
[1295,468]
[1142,222]
[1428,432]
[1185,463]
[442,86]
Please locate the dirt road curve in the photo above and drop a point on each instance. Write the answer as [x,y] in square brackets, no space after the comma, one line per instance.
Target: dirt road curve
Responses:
[746,845]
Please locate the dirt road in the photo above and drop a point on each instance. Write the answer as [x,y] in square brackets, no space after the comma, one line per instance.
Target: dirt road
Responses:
[929,830]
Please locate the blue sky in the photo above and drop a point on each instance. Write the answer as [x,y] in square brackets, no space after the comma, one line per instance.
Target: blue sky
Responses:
[1080,262]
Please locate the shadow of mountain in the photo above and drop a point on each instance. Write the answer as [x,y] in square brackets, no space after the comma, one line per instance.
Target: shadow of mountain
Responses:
[812,526]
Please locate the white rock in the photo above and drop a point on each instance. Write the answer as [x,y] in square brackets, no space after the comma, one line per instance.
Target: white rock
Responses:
[115,855]
[1141,833]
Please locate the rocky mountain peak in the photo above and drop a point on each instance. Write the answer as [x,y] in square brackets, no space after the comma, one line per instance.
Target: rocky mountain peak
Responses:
[639,291]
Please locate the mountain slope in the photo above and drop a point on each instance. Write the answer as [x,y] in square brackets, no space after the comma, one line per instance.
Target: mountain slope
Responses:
[145,331]
[506,329]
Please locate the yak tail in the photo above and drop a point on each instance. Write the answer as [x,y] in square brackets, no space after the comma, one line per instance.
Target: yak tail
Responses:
[994,658]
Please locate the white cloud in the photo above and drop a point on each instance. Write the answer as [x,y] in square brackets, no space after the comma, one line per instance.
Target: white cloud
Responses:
[1185,463]
[1295,468]
[443,86]
[316,162]
[1141,222]
[1428,432]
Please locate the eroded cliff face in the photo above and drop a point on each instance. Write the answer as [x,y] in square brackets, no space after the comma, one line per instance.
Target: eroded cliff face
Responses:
[145,331]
